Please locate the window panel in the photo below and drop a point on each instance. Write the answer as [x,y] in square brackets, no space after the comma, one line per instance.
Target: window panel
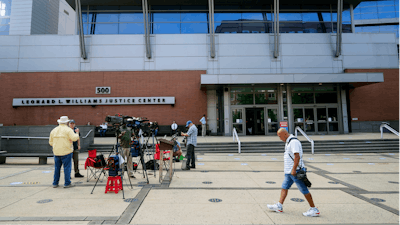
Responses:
[241,99]
[290,17]
[84,17]
[346,16]
[266,98]
[326,98]
[383,9]
[357,16]
[166,28]
[4,21]
[369,10]
[131,28]
[369,16]
[131,17]
[5,28]
[387,15]
[194,28]
[85,28]
[4,33]
[252,16]
[227,16]
[310,16]
[380,3]
[106,28]
[302,98]
[103,7]
[363,4]
[166,17]
[107,17]
[194,17]
[227,27]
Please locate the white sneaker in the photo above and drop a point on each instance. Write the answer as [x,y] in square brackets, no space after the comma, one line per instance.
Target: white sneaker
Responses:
[312,212]
[277,207]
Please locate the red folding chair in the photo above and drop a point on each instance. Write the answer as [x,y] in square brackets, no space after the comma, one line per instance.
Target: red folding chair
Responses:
[94,166]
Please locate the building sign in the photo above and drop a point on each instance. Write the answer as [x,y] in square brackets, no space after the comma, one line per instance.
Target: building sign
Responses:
[103,90]
[93,101]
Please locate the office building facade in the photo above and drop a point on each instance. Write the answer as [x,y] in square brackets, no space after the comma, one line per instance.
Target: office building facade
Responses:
[252,66]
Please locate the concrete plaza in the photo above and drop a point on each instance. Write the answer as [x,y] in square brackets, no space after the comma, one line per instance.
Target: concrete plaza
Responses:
[223,189]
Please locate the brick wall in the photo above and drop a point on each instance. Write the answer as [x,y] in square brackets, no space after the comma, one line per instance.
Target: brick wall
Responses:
[378,101]
[190,101]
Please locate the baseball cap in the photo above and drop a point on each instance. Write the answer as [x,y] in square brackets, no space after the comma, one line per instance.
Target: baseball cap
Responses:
[188,122]
[72,121]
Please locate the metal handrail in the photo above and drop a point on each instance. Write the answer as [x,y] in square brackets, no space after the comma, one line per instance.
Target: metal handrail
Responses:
[385,125]
[305,135]
[235,135]
[26,137]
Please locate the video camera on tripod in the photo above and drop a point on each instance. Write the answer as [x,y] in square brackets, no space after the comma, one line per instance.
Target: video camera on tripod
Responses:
[136,123]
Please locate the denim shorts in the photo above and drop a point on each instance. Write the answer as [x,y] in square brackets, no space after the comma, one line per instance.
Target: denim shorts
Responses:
[290,179]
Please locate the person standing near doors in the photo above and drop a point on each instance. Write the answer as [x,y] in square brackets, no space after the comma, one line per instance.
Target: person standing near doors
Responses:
[191,144]
[203,125]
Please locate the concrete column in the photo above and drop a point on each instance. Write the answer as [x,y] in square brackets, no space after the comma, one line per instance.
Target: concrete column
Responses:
[353,26]
[290,109]
[280,102]
[227,113]
[344,112]
[212,110]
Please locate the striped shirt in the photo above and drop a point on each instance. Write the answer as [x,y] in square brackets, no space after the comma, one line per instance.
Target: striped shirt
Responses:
[293,147]
[192,138]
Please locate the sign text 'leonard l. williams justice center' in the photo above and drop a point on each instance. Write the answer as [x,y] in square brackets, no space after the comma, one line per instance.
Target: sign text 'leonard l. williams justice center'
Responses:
[93,101]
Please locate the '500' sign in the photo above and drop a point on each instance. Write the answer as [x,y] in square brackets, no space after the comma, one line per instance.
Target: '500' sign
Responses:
[103,90]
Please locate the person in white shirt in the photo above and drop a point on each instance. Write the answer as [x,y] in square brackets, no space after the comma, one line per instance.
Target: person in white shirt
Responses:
[293,163]
[103,129]
[174,128]
[203,125]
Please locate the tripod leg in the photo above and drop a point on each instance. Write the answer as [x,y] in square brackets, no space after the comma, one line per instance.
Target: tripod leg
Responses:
[96,182]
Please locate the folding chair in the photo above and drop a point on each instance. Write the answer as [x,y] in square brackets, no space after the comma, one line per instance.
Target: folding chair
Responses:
[94,165]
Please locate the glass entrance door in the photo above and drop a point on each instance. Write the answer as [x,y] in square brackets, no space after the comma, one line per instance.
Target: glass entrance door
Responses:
[255,124]
[237,120]
[305,119]
[272,121]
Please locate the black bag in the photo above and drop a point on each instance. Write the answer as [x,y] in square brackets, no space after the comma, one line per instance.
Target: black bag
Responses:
[302,174]
[150,165]
[99,161]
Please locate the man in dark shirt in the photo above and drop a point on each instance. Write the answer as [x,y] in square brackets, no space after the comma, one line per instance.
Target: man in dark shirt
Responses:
[77,147]
[125,138]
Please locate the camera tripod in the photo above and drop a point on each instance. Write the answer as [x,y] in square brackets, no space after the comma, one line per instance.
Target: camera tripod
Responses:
[120,171]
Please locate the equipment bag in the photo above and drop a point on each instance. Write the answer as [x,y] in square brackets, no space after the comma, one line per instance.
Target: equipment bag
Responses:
[150,165]
[99,161]
[302,174]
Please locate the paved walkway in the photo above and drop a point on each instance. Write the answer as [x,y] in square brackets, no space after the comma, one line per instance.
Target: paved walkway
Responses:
[223,189]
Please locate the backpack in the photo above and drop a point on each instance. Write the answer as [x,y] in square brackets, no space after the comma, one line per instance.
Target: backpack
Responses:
[99,161]
[150,164]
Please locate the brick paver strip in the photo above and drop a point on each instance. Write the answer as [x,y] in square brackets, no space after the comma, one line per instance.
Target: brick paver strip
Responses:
[133,207]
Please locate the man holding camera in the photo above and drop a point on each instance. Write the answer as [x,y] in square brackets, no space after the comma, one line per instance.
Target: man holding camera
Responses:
[293,162]
[191,143]
[125,137]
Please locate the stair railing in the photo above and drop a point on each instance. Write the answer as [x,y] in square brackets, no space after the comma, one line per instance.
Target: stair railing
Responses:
[385,125]
[235,136]
[305,135]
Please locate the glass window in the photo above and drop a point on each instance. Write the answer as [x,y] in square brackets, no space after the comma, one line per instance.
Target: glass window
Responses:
[166,28]
[312,16]
[241,89]
[322,88]
[237,116]
[302,98]
[298,89]
[298,115]
[131,28]
[387,15]
[326,97]
[369,16]
[253,16]
[194,28]
[241,99]
[5,28]
[102,28]
[84,17]
[346,16]
[4,21]
[5,8]
[266,98]
[4,33]
[194,17]
[85,28]
[166,17]
[380,3]
[383,9]
[218,17]
[103,7]
[107,17]
[290,17]
[131,17]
